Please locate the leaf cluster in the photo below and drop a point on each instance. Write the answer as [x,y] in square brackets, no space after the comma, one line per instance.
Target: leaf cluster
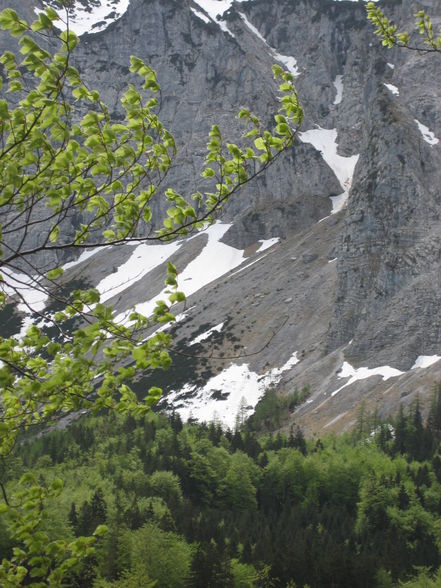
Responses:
[391,37]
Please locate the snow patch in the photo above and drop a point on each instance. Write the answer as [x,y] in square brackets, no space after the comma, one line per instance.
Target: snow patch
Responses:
[338,83]
[347,371]
[267,243]
[288,61]
[200,15]
[424,361]
[339,202]
[392,89]
[427,134]
[235,389]
[87,254]
[143,260]
[32,295]
[325,140]
[217,329]
[264,245]
[215,260]
[255,31]
[217,8]
[93,19]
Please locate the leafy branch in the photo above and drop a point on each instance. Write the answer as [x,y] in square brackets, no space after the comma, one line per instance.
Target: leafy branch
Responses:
[71,178]
[391,37]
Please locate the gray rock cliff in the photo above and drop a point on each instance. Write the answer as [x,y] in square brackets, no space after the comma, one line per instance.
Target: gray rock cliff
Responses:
[379,303]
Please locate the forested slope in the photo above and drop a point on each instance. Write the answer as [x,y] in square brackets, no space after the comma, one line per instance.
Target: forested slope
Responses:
[193,505]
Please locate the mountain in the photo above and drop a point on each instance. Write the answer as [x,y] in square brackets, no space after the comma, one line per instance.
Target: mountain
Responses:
[326,271]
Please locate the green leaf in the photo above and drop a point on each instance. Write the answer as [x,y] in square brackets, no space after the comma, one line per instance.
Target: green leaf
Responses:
[52,14]
[109,235]
[155,393]
[69,38]
[260,144]
[100,531]
[55,273]
[54,234]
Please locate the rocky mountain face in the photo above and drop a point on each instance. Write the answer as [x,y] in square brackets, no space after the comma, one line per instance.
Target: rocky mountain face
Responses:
[330,263]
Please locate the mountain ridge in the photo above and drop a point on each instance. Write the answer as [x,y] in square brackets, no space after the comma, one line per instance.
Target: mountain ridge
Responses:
[377,304]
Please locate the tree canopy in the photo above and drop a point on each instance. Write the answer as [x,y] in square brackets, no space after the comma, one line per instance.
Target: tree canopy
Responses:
[213,508]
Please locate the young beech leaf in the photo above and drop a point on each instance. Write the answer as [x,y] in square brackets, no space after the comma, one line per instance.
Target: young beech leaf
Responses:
[53,235]
[260,144]
[55,273]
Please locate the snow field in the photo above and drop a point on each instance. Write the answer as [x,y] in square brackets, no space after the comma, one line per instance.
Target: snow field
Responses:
[325,141]
[338,83]
[392,89]
[425,361]
[207,334]
[202,270]
[200,15]
[143,260]
[95,19]
[427,134]
[242,388]
[347,371]
[214,9]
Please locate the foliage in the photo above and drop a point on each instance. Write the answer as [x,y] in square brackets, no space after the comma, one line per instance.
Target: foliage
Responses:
[243,574]
[425,579]
[137,579]
[64,163]
[35,556]
[391,37]
[164,556]
[233,509]
[273,409]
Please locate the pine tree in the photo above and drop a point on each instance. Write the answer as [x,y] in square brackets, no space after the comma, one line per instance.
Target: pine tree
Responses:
[92,514]
[401,437]
[434,418]
[176,422]
[84,517]
[211,567]
[98,508]
[73,518]
[299,442]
